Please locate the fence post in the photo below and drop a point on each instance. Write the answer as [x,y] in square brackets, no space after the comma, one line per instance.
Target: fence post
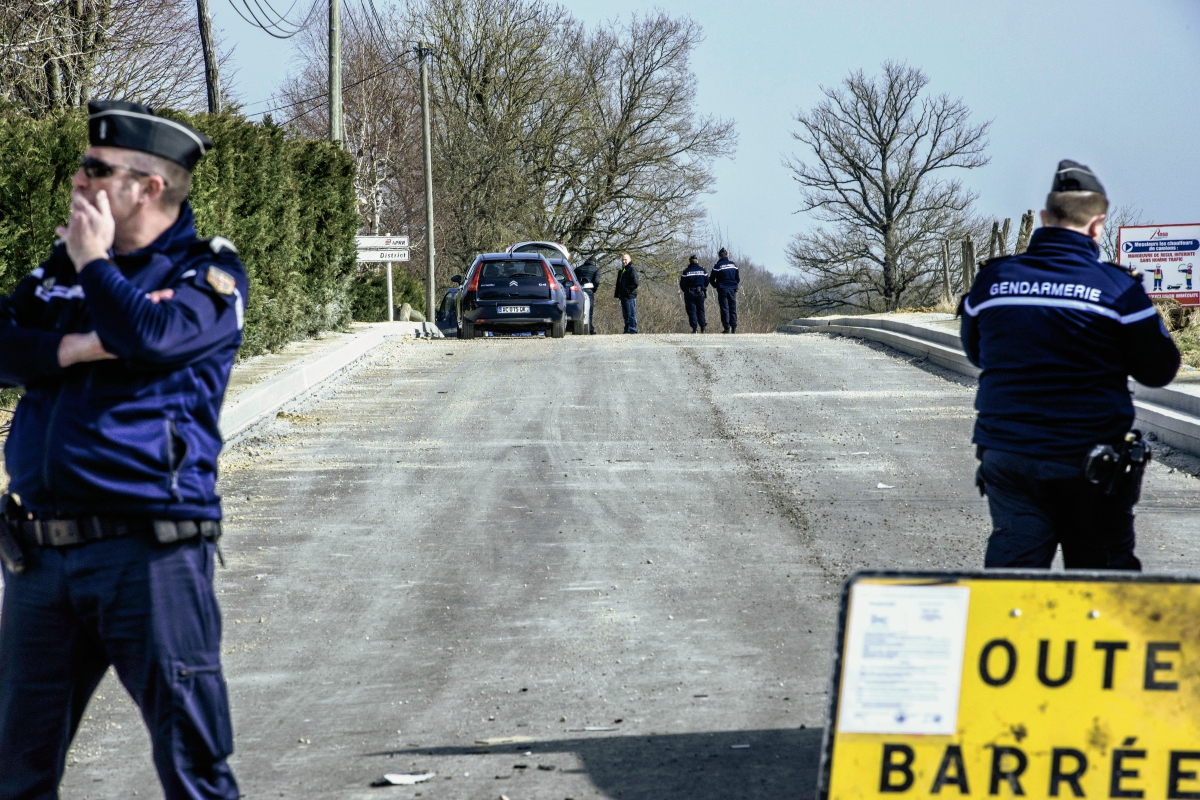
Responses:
[1024,232]
[1004,236]
[947,294]
[968,263]
[994,239]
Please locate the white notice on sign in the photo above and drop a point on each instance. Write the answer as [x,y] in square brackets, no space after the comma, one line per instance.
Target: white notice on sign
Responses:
[903,659]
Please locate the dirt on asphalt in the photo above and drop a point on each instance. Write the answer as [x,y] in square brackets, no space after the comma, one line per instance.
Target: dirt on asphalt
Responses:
[579,568]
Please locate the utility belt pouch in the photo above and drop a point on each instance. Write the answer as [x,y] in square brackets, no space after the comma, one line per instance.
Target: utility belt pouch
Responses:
[1118,470]
[11,553]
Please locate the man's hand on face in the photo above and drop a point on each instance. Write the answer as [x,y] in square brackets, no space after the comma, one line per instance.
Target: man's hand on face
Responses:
[89,231]
[78,348]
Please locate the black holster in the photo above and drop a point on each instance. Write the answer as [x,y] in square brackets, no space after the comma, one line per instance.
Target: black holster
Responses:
[1119,469]
[11,553]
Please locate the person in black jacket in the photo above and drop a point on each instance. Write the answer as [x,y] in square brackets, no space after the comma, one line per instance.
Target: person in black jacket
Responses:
[725,278]
[1057,333]
[626,292]
[589,275]
[694,285]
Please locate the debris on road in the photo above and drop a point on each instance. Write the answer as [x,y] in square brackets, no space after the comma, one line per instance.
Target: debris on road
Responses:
[884,486]
[504,740]
[739,747]
[546,767]
[403,779]
[590,729]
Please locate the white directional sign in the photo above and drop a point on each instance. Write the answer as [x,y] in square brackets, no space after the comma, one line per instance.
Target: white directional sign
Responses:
[381,243]
[383,255]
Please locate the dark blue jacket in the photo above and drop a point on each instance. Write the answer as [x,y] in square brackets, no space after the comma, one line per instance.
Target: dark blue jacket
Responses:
[725,275]
[136,436]
[694,281]
[1057,333]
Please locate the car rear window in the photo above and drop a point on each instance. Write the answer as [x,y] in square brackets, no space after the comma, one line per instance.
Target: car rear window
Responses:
[502,270]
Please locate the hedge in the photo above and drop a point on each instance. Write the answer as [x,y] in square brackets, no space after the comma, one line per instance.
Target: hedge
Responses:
[286,203]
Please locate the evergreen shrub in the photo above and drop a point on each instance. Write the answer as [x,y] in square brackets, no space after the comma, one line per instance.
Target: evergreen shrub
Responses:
[286,203]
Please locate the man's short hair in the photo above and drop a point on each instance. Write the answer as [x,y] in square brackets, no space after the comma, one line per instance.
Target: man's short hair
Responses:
[177,179]
[1074,209]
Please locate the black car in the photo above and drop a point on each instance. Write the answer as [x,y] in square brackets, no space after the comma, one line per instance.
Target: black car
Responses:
[577,299]
[511,293]
[446,315]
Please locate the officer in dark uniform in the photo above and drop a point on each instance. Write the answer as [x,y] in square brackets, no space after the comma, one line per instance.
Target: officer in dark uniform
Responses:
[725,279]
[1057,333]
[694,285]
[123,339]
[589,274]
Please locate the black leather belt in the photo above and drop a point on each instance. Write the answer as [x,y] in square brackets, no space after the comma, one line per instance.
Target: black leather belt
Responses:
[67,532]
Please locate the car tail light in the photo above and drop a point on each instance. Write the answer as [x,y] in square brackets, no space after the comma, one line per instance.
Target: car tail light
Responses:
[550,275]
[474,287]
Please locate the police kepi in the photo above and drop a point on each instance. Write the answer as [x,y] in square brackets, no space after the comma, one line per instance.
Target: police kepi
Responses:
[725,279]
[693,283]
[1057,333]
[123,339]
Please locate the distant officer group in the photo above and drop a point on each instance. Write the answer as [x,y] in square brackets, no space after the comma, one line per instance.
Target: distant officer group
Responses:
[694,283]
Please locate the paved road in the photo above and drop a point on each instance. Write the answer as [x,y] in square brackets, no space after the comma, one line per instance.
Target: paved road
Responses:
[472,541]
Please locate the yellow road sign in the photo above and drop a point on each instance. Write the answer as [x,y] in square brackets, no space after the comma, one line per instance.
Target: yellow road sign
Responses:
[1015,684]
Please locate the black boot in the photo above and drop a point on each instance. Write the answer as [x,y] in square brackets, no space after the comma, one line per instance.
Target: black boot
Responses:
[693,330]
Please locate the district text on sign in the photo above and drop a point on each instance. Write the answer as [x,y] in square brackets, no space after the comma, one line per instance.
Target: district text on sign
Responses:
[383,255]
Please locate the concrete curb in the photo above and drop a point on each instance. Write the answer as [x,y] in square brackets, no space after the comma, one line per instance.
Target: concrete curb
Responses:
[1172,414]
[260,400]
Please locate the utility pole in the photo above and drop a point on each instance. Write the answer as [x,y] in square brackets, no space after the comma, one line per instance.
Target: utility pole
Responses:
[422,54]
[335,72]
[211,78]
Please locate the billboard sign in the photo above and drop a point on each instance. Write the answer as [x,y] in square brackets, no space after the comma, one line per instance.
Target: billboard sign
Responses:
[1014,683]
[1166,256]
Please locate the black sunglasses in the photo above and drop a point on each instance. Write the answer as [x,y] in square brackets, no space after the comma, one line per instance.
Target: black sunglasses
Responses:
[95,168]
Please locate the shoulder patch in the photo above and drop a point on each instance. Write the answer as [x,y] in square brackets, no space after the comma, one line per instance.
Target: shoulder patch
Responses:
[221,281]
[219,243]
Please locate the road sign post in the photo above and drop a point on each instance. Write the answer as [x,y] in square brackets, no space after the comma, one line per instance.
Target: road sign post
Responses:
[386,249]
[1015,683]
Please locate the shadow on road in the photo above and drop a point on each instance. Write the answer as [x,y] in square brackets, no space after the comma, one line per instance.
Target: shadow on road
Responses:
[693,766]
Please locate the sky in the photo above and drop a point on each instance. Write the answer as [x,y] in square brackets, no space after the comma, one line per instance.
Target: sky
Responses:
[1113,85]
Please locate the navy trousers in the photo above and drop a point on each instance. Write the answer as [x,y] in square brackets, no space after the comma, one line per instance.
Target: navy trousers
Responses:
[147,609]
[1039,505]
[727,302]
[695,311]
[629,312]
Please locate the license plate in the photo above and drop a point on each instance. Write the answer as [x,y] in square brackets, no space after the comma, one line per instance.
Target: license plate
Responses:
[513,309]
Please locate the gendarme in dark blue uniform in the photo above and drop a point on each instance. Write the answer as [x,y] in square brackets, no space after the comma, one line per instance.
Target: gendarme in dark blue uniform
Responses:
[694,285]
[114,462]
[725,279]
[1057,333]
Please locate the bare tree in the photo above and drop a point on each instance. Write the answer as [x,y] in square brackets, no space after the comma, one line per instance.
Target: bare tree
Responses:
[633,178]
[381,129]
[1126,214]
[546,130]
[57,54]
[879,152]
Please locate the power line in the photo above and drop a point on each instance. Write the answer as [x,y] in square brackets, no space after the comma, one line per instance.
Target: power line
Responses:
[267,26]
[395,65]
